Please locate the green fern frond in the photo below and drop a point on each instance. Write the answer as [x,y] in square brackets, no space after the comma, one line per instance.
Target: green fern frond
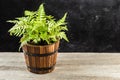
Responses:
[28,13]
[41,13]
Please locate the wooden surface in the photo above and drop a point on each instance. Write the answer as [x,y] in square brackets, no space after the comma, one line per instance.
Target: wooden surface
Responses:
[70,66]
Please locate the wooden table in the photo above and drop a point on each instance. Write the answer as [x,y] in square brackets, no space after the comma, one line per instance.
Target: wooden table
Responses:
[70,66]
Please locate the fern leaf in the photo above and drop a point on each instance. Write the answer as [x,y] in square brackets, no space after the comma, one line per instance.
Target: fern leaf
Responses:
[12,21]
[63,35]
[41,12]
[28,13]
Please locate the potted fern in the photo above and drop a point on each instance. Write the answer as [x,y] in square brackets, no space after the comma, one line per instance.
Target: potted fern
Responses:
[40,36]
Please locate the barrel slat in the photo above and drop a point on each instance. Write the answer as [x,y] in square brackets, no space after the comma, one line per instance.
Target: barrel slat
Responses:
[26,56]
[33,58]
[37,59]
[29,57]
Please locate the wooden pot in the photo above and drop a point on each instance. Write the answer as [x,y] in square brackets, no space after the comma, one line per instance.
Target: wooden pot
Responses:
[41,59]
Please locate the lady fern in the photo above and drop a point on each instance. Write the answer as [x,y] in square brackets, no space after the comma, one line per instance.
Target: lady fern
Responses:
[37,27]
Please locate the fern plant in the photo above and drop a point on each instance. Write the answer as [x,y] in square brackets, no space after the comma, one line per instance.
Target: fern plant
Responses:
[38,28]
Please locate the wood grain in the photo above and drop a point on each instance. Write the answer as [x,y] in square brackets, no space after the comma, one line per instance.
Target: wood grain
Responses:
[41,64]
[70,66]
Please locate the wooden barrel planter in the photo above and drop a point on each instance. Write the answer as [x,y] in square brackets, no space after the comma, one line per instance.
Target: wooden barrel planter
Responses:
[41,59]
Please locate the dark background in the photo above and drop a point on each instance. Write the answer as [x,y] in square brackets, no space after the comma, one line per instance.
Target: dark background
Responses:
[94,25]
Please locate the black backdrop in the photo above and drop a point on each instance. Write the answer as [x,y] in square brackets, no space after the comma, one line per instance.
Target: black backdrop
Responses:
[94,25]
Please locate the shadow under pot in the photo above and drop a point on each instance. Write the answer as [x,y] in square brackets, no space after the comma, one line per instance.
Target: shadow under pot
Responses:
[41,59]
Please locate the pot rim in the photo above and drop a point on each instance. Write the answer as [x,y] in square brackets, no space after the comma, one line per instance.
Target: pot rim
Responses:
[42,45]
